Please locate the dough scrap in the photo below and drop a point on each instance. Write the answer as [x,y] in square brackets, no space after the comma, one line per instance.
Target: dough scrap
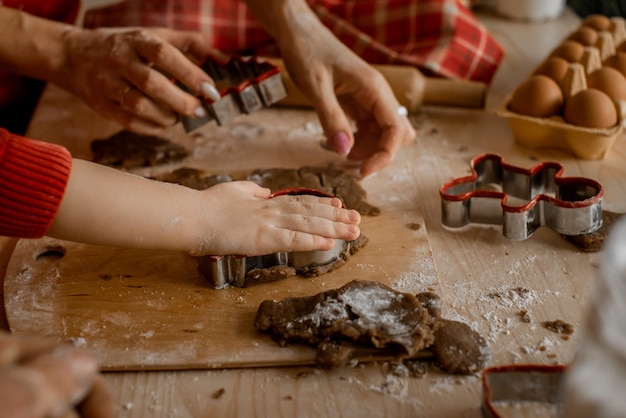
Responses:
[594,241]
[126,149]
[194,178]
[328,179]
[360,311]
[365,319]
[458,349]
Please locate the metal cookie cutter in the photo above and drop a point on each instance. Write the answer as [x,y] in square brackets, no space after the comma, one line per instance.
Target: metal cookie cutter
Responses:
[520,383]
[238,270]
[245,84]
[568,205]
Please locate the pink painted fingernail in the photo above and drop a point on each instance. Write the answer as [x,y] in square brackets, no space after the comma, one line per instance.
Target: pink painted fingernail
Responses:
[341,143]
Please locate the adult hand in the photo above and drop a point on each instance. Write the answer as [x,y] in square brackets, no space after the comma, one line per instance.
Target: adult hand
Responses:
[339,83]
[40,378]
[342,87]
[239,218]
[126,74]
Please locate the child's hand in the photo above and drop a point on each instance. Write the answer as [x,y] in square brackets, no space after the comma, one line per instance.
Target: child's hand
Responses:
[239,218]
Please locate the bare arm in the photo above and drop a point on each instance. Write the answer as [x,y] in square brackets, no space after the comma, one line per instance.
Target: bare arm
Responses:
[125,74]
[102,205]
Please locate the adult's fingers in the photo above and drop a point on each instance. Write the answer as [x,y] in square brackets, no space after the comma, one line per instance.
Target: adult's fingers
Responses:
[98,403]
[192,44]
[333,119]
[135,122]
[48,385]
[17,348]
[174,63]
[138,104]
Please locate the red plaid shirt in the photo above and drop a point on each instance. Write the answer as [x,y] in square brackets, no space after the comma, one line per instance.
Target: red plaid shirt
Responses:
[441,37]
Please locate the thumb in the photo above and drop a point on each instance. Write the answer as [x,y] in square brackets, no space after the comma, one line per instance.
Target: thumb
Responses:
[335,123]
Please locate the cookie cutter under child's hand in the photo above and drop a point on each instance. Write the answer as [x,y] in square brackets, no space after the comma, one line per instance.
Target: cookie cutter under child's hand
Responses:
[240,271]
[568,205]
[245,86]
[511,384]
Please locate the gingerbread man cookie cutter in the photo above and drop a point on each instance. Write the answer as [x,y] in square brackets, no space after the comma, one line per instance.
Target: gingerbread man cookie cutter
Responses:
[238,270]
[245,86]
[520,383]
[522,200]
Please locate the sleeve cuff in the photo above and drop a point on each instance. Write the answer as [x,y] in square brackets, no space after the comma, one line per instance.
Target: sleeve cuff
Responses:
[33,178]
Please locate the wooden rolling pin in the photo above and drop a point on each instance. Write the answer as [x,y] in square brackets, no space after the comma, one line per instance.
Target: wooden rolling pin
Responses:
[411,87]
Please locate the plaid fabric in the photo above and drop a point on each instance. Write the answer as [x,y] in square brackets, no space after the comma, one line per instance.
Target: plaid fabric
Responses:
[59,10]
[441,37]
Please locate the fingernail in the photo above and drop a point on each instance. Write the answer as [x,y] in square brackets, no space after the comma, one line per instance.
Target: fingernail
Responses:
[199,112]
[341,143]
[210,91]
[354,216]
[353,229]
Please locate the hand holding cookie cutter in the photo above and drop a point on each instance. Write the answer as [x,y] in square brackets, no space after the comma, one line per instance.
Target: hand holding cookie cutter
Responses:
[237,270]
[568,205]
[246,85]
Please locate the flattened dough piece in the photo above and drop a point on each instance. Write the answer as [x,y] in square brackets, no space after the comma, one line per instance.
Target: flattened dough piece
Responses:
[194,178]
[458,348]
[327,179]
[364,312]
[126,149]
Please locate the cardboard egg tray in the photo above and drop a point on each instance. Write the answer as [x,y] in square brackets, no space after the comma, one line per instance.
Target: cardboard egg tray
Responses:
[554,132]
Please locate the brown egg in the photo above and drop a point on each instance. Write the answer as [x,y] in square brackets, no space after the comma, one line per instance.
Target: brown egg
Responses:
[621,47]
[553,67]
[617,61]
[591,108]
[585,35]
[538,95]
[597,22]
[608,80]
[569,50]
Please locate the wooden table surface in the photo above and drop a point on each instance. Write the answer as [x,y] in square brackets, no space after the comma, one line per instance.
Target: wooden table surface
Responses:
[478,269]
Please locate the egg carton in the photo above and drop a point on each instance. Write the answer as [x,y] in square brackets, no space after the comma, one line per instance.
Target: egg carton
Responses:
[554,132]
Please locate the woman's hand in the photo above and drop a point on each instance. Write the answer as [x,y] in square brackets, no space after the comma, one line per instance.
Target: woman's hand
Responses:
[339,83]
[239,218]
[40,378]
[126,74]
[343,87]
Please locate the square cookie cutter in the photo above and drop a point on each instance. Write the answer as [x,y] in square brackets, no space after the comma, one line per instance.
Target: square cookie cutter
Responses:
[512,384]
[245,85]
[567,205]
[239,270]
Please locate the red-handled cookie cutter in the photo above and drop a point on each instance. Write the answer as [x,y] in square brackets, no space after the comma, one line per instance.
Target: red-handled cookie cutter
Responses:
[222,271]
[511,384]
[245,85]
[522,200]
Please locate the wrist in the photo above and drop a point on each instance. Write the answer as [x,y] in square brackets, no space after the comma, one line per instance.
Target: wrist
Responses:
[39,41]
[284,19]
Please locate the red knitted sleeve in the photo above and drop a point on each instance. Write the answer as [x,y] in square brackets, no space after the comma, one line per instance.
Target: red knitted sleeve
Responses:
[33,177]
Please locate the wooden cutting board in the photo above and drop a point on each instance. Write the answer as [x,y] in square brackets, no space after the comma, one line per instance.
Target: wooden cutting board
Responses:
[153,310]
[140,310]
